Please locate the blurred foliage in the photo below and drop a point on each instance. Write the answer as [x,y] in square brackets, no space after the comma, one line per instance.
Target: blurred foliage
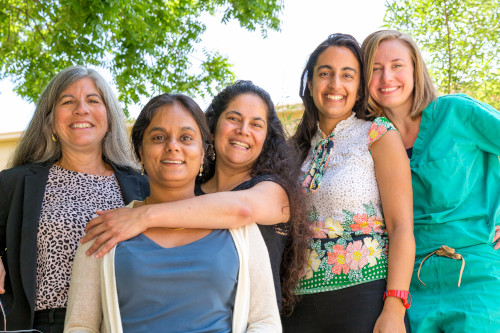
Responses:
[459,38]
[147,46]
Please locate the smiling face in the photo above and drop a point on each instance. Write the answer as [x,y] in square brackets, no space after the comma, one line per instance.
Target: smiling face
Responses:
[240,132]
[334,86]
[80,117]
[172,148]
[392,84]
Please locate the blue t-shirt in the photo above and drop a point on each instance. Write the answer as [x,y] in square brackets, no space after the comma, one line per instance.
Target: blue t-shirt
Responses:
[190,288]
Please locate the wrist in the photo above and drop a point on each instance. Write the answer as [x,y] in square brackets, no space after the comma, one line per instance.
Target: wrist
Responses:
[401,296]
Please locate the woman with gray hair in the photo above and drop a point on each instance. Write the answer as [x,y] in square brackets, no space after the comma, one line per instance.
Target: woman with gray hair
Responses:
[73,159]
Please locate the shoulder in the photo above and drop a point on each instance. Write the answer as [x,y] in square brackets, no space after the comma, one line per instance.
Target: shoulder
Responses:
[13,176]
[459,106]
[261,178]
[379,127]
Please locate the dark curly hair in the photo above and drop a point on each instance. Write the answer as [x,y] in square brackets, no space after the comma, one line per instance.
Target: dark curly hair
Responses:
[278,159]
[150,109]
[307,126]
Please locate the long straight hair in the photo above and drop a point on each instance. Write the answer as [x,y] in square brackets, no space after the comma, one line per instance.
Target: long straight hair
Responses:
[36,144]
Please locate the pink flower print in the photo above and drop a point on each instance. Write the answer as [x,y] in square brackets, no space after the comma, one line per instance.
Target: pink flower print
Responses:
[375,223]
[337,258]
[357,254]
[318,229]
[361,223]
[375,132]
[307,181]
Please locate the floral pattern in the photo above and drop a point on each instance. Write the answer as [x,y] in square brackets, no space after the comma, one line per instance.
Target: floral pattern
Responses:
[348,240]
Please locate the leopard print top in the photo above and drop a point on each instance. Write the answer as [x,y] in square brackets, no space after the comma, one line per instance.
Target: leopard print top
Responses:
[70,201]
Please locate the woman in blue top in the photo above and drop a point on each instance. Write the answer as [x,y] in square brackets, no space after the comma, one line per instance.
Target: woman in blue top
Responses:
[453,142]
[174,279]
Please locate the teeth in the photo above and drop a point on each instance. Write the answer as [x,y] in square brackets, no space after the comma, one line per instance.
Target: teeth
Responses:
[81,125]
[240,144]
[388,89]
[172,162]
[335,97]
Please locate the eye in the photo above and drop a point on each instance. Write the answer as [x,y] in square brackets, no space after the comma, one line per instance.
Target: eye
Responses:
[233,118]
[375,69]
[258,125]
[324,74]
[349,76]
[158,138]
[94,101]
[66,102]
[186,138]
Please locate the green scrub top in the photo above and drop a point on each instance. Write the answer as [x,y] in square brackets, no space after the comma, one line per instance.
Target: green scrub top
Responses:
[456,175]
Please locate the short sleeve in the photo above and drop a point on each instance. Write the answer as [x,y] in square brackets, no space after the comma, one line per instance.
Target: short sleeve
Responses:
[379,127]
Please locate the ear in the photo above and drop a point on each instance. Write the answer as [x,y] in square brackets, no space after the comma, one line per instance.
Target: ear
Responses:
[309,85]
[202,155]
[140,154]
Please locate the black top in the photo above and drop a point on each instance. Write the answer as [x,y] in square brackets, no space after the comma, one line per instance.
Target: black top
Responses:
[275,236]
[409,152]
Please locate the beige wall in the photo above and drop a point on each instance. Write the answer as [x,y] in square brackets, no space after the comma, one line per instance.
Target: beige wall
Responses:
[8,142]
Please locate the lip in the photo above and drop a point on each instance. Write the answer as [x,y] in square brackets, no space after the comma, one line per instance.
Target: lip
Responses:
[389,90]
[172,162]
[81,125]
[334,97]
[239,144]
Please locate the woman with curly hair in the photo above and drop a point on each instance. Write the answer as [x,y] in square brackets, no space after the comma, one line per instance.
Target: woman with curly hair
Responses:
[253,178]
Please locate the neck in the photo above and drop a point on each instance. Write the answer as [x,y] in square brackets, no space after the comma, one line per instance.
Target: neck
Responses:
[327,125]
[225,179]
[407,126]
[87,163]
[160,193]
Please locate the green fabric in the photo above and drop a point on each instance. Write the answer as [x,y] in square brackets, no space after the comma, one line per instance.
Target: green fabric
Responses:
[456,197]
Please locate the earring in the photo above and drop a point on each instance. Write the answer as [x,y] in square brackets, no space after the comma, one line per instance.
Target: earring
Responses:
[142,169]
[211,152]
[54,137]
[201,170]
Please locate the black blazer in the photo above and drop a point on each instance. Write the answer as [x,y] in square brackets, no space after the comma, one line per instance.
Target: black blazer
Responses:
[21,194]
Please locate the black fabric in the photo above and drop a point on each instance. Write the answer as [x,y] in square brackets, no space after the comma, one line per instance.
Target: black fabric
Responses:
[275,236]
[50,321]
[349,310]
[409,152]
[21,195]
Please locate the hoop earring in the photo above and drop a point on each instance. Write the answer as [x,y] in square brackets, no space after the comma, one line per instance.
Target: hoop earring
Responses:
[54,137]
[201,170]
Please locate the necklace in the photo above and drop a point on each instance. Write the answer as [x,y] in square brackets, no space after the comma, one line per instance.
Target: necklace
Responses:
[146,203]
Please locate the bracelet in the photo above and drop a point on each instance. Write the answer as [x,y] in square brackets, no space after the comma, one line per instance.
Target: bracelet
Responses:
[404,295]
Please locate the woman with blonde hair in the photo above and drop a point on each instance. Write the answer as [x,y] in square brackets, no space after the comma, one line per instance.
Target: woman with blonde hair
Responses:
[453,143]
[73,159]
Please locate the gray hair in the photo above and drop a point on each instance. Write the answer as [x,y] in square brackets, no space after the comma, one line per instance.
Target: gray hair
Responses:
[37,146]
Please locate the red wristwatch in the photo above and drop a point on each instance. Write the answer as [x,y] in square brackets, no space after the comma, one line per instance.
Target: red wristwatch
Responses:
[402,294]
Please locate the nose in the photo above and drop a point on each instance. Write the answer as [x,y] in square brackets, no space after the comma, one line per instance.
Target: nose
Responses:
[334,81]
[387,75]
[172,145]
[243,128]
[81,108]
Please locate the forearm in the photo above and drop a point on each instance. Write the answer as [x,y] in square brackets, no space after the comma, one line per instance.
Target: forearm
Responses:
[401,261]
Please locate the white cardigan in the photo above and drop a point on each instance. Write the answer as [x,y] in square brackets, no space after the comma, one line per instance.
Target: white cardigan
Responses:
[93,299]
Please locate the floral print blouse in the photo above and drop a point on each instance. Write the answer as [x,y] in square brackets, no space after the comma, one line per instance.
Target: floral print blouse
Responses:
[349,242]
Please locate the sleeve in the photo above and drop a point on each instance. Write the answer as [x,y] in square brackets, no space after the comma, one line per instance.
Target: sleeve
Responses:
[263,312]
[485,125]
[4,212]
[84,311]
[379,127]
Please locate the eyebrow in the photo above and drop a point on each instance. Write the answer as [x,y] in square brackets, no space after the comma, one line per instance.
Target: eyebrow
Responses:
[162,129]
[239,114]
[347,68]
[89,95]
[393,60]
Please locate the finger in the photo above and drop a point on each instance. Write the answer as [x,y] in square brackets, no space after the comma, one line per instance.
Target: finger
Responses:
[2,282]
[104,212]
[93,233]
[98,242]
[94,222]
[106,247]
